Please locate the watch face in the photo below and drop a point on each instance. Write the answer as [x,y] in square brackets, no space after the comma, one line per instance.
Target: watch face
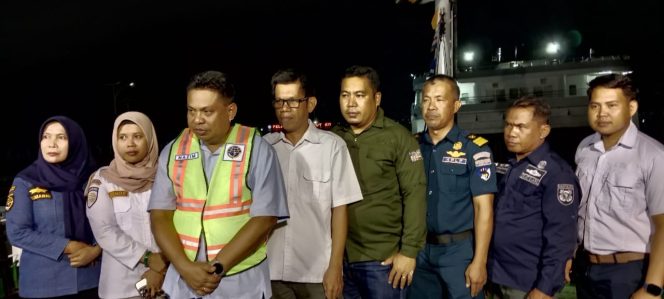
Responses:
[653,289]
[218,268]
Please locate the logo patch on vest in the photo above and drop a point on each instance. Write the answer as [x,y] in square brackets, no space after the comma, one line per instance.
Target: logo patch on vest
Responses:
[37,193]
[234,152]
[191,156]
[118,193]
[565,194]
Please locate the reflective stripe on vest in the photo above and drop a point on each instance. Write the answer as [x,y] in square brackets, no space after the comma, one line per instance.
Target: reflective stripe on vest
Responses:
[219,208]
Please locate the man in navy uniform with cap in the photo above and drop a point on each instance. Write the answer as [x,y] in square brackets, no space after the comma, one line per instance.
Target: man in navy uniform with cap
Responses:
[535,210]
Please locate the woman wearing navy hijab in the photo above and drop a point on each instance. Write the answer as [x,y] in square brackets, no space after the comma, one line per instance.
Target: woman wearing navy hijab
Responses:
[46,217]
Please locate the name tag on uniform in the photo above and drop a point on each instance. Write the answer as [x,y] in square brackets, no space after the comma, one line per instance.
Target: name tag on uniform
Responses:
[191,156]
[533,175]
[502,168]
[37,193]
[462,161]
[233,152]
[118,193]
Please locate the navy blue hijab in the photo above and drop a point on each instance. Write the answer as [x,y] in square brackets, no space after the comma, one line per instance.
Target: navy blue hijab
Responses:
[68,177]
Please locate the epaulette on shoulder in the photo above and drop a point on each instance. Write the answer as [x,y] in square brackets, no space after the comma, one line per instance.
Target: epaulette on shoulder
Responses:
[478,140]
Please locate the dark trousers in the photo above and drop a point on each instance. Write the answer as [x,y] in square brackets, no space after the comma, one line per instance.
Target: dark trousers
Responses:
[368,280]
[600,281]
[297,290]
[440,271]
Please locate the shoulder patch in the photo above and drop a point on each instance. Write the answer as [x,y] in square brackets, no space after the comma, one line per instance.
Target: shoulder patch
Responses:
[565,194]
[92,182]
[484,173]
[10,199]
[478,140]
[92,196]
[415,156]
[482,159]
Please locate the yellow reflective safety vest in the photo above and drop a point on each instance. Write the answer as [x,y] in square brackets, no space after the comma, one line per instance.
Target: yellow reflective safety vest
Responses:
[219,208]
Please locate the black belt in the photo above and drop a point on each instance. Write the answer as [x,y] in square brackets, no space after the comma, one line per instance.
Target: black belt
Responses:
[443,239]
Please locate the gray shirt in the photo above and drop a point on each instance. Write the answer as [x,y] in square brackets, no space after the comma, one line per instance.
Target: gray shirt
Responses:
[621,188]
[269,199]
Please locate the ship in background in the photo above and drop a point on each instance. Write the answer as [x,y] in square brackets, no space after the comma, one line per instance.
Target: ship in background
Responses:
[485,92]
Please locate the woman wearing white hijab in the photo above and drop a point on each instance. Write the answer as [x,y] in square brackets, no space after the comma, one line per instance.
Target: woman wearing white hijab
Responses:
[117,200]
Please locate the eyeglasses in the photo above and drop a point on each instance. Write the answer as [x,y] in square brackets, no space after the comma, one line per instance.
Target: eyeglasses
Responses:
[292,103]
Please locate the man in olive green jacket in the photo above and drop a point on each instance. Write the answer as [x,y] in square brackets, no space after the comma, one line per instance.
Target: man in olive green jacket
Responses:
[387,228]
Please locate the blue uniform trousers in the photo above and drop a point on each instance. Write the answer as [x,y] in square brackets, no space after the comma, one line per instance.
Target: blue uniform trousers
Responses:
[440,271]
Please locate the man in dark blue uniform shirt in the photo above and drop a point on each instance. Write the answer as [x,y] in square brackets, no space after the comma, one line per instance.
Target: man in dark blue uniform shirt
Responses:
[460,185]
[535,211]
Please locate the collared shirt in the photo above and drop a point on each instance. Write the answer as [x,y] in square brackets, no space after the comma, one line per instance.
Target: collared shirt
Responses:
[457,169]
[391,216]
[535,222]
[121,225]
[37,226]
[319,176]
[622,187]
[269,199]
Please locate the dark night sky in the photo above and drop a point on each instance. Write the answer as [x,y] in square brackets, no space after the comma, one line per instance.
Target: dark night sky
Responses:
[60,57]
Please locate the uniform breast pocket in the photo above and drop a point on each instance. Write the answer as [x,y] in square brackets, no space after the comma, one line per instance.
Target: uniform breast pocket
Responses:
[121,207]
[452,178]
[45,214]
[621,190]
[381,160]
[529,194]
[585,172]
[316,185]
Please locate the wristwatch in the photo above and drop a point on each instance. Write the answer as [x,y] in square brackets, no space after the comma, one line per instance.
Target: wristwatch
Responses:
[218,268]
[652,289]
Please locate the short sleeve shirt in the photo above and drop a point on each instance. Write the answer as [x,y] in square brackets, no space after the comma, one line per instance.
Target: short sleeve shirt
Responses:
[265,181]
[121,225]
[458,168]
